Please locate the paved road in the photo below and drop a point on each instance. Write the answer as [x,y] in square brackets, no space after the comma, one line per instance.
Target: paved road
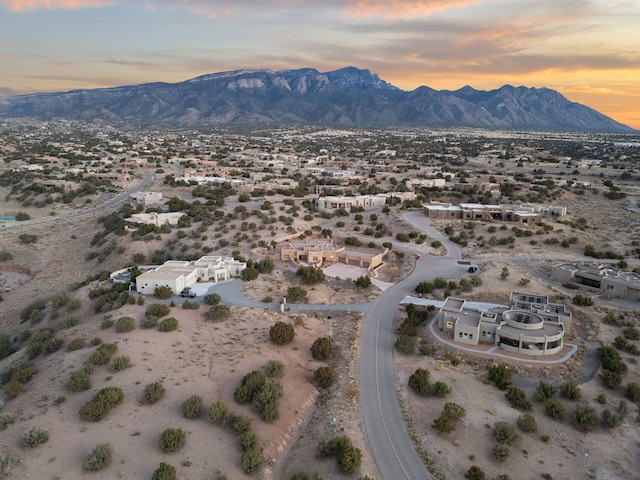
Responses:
[390,444]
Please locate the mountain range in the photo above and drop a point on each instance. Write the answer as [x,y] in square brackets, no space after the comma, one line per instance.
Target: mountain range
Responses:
[345,97]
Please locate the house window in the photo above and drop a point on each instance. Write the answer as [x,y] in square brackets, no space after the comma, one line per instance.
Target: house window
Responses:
[459,334]
[471,336]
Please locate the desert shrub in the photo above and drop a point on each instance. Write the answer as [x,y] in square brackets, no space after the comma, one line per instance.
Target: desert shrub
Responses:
[103,354]
[34,312]
[79,381]
[322,348]
[554,408]
[296,294]
[474,473]
[610,379]
[265,401]
[76,344]
[6,419]
[323,377]
[582,300]
[125,324]
[14,389]
[419,381]
[571,391]
[248,441]
[217,411]
[544,391]
[310,275]
[267,299]
[632,392]
[217,313]
[168,324]
[152,393]
[349,459]
[527,423]
[164,472]
[250,385]
[500,375]
[252,461]
[240,424]
[363,282]
[148,322]
[158,310]
[405,343]
[71,322]
[101,404]
[451,415]
[505,433]
[518,398]
[610,419]
[281,333]
[172,440]
[440,389]
[163,292]
[190,305]
[24,373]
[212,299]
[34,437]
[121,363]
[192,407]
[501,452]
[95,341]
[53,345]
[106,323]
[611,360]
[583,418]
[631,333]
[98,458]
[249,274]
[274,368]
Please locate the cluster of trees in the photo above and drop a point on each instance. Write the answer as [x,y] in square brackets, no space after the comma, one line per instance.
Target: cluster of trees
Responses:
[420,383]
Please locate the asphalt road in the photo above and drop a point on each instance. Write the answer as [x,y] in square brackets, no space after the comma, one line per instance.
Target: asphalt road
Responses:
[390,444]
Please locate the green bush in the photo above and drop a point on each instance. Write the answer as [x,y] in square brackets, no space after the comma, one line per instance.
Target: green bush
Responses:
[217,313]
[527,423]
[248,441]
[79,381]
[265,401]
[98,458]
[165,472]
[103,354]
[274,368]
[419,381]
[323,377]
[6,419]
[14,389]
[505,433]
[192,407]
[24,373]
[172,440]
[571,391]
[240,424]
[281,333]
[152,393]
[76,344]
[34,437]
[449,419]
[163,292]
[405,343]
[106,323]
[252,461]
[296,295]
[554,408]
[544,391]
[584,419]
[158,310]
[121,363]
[53,345]
[440,389]
[71,322]
[310,275]
[217,411]
[349,459]
[518,399]
[125,324]
[322,348]
[501,452]
[250,385]
[500,375]
[148,322]
[632,392]
[474,473]
[101,404]
[212,299]
[168,324]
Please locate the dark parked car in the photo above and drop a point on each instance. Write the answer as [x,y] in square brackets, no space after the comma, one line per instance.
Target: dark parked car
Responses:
[188,293]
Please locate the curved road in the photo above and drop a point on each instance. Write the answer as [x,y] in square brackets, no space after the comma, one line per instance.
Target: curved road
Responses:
[391,446]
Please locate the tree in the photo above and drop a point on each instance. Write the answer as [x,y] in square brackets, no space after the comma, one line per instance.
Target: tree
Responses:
[500,375]
[518,398]
[544,391]
[249,274]
[554,408]
[322,348]
[323,377]
[363,282]
[349,459]
[296,294]
[475,473]
[571,391]
[281,333]
[163,292]
[250,385]
[212,299]
[584,419]
[310,275]
[451,415]
[419,381]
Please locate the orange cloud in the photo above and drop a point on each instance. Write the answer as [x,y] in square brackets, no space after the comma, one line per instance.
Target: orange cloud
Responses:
[401,8]
[23,5]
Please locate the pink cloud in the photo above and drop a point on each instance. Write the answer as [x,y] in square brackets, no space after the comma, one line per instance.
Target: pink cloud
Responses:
[402,8]
[23,5]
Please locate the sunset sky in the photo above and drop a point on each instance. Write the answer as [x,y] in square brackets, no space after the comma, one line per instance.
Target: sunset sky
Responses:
[587,50]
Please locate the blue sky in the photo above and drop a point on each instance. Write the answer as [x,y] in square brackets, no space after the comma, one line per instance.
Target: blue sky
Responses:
[587,50]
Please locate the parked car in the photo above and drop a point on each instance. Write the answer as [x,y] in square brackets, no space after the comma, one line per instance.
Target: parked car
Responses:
[188,293]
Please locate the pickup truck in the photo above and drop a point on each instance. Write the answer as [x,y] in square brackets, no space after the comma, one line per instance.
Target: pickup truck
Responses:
[188,293]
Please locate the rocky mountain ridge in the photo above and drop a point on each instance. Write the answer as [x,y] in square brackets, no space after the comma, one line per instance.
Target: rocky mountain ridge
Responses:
[345,97]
